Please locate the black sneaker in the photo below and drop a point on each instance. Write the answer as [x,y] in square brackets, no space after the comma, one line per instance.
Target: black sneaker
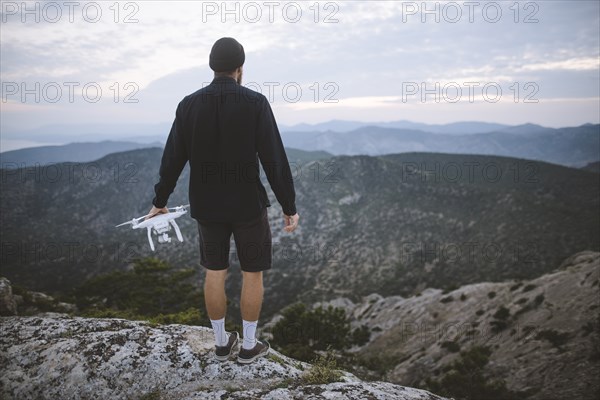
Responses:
[259,350]
[223,352]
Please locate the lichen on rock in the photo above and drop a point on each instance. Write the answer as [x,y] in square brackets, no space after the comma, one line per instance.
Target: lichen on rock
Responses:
[63,357]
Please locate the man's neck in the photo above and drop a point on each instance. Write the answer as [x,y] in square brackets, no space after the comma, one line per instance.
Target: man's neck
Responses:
[226,76]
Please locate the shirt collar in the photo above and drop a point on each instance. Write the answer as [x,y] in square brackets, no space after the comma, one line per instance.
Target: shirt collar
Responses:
[224,79]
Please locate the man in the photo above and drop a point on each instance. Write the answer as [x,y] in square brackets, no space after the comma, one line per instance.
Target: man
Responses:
[223,130]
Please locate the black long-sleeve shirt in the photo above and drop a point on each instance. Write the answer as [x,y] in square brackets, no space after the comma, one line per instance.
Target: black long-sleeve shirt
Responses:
[223,130]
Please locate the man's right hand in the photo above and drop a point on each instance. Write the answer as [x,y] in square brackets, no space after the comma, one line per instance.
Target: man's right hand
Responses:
[290,222]
[154,211]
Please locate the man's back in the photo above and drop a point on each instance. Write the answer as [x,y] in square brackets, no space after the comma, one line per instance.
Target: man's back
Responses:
[223,129]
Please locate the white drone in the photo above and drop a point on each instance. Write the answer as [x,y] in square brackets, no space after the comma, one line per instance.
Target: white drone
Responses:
[160,224]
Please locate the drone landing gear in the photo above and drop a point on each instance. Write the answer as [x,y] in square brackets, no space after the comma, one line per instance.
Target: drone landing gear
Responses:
[149,230]
[161,230]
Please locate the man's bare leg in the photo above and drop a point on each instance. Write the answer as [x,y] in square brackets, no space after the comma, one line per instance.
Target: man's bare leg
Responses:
[252,295]
[214,293]
[216,303]
[250,305]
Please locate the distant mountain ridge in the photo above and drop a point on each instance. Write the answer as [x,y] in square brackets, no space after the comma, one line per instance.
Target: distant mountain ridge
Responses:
[454,128]
[571,146]
[91,151]
[592,167]
[576,146]
[66,133]
[72,152]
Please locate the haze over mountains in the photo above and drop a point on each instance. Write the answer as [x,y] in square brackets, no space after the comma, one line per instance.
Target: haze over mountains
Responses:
[72,152]
[455,128]
[575,146]
[571,146]
[65,133]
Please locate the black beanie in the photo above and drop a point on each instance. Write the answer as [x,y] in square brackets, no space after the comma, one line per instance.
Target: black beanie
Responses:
[226,55]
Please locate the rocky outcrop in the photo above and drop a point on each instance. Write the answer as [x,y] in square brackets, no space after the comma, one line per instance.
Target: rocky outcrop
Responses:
[87,358]
[544,333]
[19,301]
[8,305]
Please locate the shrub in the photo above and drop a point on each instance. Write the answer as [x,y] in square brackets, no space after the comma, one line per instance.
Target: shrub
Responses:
[191,316]
[276,358]
[502,313]
[451,346]
[361,335]
[300,332]
[492,294]
[588,328]
[556,338]
[446,299]
[450,288]
[153,395]
[152,290]
[379,363]
[324,370]
[465,379]
[527,329]
[500,322]
[539,299]
[498,325]
[529,287]
[516,286]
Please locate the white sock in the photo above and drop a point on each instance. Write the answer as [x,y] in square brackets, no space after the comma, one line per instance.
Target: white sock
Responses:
[221,337]
[249,334]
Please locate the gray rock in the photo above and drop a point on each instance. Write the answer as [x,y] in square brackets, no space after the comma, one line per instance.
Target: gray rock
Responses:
[30,303]
[8,305]
[549,348]
[89,358]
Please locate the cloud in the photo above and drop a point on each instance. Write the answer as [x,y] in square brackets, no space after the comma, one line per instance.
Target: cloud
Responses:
[572,64]
[368,49]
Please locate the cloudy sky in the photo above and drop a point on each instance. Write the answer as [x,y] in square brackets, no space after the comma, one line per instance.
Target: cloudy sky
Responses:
[129,63]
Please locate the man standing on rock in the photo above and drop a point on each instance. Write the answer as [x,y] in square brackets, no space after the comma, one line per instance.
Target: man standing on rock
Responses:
[223,130]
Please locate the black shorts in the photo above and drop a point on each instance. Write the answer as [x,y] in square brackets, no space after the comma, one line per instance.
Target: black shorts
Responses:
[252,241]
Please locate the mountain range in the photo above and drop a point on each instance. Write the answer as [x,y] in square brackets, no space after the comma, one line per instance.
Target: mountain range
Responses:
[448,259]
[147,132]
[393,224]
[455,128]
[72,152]
[575,146]
[571,146]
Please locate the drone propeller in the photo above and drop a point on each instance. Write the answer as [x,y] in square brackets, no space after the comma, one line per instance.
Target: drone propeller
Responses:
[134,220]
[124,223]
[179,207]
